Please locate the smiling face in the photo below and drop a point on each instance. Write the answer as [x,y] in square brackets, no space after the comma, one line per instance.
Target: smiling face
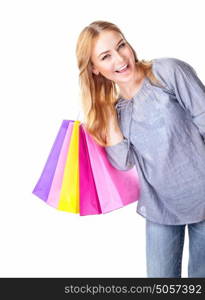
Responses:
[109,54]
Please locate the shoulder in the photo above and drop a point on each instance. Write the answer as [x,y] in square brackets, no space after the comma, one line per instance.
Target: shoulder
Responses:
[168,65]
[170,69]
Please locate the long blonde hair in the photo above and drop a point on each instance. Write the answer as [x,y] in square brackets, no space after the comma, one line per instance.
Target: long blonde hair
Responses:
[99,94]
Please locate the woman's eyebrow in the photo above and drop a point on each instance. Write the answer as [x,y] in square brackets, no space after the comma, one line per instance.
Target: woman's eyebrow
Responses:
[109,50]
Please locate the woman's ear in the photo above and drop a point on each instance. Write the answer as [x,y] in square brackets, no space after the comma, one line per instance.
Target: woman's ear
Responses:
[94,70]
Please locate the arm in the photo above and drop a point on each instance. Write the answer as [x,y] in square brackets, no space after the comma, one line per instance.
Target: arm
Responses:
[189,91]
[118,153]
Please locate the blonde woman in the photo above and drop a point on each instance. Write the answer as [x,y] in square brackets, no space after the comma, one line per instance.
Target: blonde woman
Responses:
[151,115]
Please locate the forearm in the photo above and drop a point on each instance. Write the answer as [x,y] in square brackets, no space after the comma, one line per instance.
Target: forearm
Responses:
[114,134]
[117,149]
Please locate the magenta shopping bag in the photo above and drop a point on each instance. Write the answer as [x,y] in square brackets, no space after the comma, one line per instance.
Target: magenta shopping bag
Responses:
[115,188]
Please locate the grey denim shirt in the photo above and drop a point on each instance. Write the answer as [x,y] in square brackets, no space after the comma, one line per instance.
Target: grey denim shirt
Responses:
[164,138]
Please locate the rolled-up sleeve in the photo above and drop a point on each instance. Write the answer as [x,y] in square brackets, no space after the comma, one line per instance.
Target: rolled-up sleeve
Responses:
[189,91]
[121,155]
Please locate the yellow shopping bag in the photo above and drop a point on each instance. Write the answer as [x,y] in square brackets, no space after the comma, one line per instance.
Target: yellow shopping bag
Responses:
[70,194]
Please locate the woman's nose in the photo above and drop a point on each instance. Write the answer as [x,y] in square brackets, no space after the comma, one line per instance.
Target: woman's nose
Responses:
[119,58]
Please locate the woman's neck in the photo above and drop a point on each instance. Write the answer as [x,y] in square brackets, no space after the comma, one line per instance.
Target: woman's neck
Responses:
[128,90]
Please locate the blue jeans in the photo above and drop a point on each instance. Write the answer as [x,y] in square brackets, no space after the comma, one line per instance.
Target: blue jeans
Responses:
[164,249]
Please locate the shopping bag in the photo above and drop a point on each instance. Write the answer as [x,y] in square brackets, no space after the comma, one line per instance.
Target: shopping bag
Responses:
[43,185]
[78,177]
[115,188]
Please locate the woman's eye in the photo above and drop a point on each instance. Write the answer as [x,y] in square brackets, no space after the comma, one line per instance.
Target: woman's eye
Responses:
[105,56]
[123,44]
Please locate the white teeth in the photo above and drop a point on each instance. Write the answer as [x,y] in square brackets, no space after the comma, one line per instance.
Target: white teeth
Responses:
[122,68]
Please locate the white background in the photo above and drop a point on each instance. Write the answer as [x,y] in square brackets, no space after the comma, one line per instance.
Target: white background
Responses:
[39,88]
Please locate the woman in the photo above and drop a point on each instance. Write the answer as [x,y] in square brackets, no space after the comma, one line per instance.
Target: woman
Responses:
[151,115]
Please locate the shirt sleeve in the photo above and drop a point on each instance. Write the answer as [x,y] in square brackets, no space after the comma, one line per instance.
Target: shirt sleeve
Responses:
[120,155]
[189,91]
